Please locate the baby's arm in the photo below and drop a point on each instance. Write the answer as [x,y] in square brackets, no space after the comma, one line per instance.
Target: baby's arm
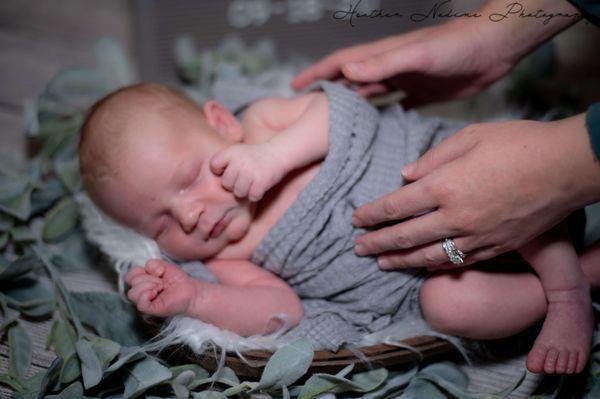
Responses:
[245,300]
[249,170]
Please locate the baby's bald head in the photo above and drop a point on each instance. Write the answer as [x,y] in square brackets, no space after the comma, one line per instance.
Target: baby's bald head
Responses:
[114,120]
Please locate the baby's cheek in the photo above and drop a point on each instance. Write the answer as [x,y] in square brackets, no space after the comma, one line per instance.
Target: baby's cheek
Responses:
[238,227]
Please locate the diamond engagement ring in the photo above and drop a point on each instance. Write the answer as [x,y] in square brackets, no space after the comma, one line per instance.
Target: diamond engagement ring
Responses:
[455,255]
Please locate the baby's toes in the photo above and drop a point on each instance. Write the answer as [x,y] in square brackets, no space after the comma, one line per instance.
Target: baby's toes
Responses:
[563,361]
[550,363]
[572,363]
[536,358]
[582,359]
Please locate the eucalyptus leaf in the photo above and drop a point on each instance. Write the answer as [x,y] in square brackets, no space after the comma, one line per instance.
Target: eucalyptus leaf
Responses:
[209,395]
[71,369]
[106,350]
[60,220]
[73,391]
[198,371]
[287,364]
[419,389]
[180,384]
[19,350]
[36,386]
[3,240]
[30,296]
[19,268]
[63,338]
[15,197]
[113,62]
[126,356]
[110,317]
[245,386]
[91,367]
[6,222]
[32,387]
[7,379]
[68,173]
[46,195]
[143,375]
[76,88]
[361,382]
[393,384]
[9,316]
[22,234]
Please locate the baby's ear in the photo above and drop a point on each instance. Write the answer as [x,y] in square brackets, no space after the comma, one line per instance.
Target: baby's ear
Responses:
[223,121]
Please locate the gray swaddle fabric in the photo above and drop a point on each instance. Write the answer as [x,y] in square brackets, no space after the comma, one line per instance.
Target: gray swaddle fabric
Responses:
[312,246]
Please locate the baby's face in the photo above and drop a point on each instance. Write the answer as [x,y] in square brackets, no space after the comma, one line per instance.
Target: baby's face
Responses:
[166,190]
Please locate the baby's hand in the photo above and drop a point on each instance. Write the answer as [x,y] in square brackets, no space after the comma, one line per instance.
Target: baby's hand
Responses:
[160,289]
[249,170]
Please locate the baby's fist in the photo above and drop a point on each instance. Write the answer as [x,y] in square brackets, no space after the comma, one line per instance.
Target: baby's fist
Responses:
[249,170]
[160,289]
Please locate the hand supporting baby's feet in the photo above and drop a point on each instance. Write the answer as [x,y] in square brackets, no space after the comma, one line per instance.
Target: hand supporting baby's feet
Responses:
[563,345]
[161,289]
[249,170]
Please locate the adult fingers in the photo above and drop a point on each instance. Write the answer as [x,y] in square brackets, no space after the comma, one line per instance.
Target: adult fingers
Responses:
[386,64]
[372,89]
[431,256]
[448,150]
[328,68]
[406,201]
[408,234]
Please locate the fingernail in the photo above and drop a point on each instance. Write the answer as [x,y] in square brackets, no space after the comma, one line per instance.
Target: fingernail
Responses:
[360,249]
[383,262]
[408,169]
[355,67]
[356,221]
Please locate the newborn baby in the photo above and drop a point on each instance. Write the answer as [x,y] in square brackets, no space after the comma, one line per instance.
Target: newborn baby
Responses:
[208,186]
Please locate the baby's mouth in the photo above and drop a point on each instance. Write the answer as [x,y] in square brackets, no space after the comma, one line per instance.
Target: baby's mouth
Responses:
[219,226]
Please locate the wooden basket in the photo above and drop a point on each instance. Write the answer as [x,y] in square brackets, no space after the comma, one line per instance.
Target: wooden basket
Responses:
[380,355]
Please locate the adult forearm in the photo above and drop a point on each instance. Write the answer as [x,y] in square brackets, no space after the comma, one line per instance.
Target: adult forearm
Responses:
[515,28]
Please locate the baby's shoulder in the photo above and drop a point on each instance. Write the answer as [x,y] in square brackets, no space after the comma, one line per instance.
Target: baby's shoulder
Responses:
[278,113]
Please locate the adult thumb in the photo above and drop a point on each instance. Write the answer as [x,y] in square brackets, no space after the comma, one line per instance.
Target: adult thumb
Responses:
[382,65]
[447,151]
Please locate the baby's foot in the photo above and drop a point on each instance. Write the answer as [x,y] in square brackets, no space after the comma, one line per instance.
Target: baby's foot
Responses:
[563,345]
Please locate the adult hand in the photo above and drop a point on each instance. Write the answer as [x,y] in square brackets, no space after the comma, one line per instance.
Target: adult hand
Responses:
[451,60]
[491,187]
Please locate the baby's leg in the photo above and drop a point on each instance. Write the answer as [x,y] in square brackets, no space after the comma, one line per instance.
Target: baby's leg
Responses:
[564,342]
[490,303]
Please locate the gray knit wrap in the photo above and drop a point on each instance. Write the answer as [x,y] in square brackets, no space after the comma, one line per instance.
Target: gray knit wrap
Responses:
[312,246]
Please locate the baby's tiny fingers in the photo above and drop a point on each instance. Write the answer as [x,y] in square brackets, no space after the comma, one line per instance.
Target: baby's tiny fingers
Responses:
[256,192]
[135,292]
[229,177]
[219,162]
[146,277]
[156,267]
[134,272]
[242,185]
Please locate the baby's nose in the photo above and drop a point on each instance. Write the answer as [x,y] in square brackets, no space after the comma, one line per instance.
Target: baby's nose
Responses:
[188,217]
